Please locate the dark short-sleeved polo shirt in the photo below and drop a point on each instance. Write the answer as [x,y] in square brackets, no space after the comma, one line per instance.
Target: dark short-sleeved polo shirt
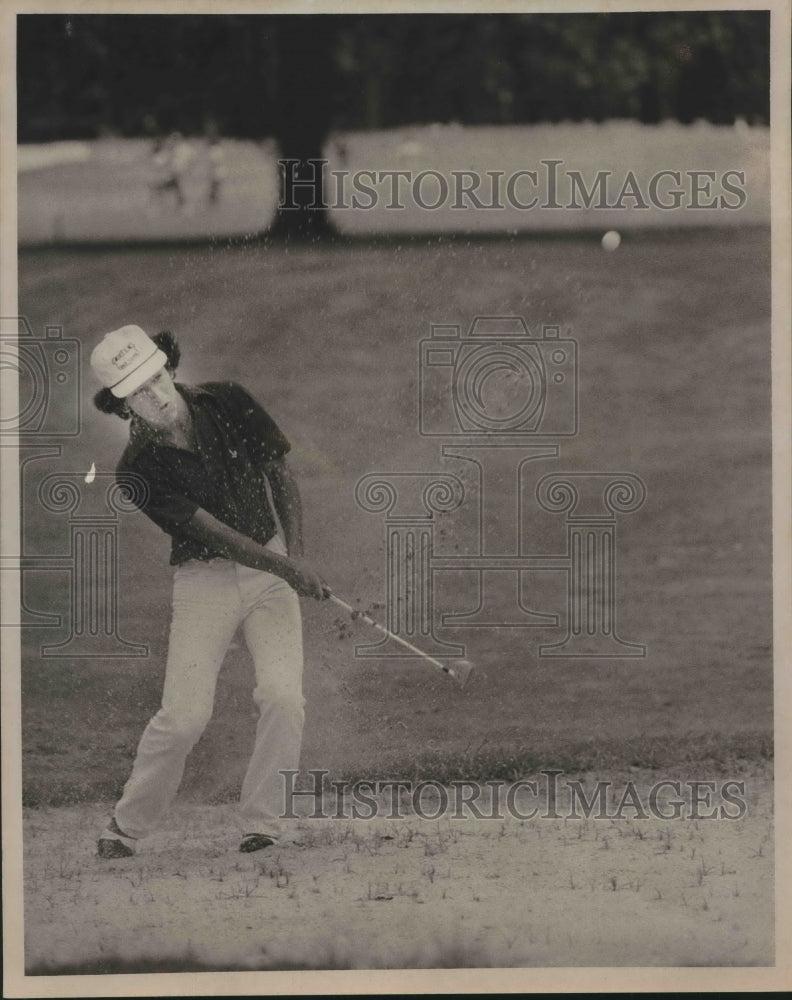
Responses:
[235,438]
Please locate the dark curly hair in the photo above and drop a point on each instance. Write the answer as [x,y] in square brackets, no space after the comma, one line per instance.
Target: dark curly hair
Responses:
[105,401]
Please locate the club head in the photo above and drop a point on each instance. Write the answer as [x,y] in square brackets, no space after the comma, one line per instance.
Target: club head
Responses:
[461,670]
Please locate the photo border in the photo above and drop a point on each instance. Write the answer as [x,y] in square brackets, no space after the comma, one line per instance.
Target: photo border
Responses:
[520,980]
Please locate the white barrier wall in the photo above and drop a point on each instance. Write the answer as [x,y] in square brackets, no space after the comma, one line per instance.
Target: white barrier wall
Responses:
[428,179]
[616,175]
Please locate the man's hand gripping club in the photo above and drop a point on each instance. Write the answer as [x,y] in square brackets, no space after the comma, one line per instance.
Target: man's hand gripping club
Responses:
[232,544]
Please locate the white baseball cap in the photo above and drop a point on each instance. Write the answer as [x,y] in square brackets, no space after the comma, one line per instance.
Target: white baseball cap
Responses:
[125,358]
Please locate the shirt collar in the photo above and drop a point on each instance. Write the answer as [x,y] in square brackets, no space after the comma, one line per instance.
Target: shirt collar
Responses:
[193,392]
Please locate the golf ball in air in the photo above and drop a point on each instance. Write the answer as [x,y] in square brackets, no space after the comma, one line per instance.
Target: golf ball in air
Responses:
[611,240]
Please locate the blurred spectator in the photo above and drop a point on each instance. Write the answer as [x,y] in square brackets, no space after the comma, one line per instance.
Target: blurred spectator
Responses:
[217,169]
[171,160]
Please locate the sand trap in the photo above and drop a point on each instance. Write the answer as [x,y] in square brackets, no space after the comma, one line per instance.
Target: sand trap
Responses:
[407,893]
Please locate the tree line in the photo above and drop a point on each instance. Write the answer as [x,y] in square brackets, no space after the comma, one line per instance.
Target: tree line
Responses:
[297,77]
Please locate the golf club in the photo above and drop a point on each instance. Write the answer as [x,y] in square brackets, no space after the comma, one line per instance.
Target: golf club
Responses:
[460,670]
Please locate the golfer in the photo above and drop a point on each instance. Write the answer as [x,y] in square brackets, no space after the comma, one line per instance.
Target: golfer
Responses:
[204,456]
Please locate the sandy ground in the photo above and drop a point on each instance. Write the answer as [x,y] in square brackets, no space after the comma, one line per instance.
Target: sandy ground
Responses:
[408,892]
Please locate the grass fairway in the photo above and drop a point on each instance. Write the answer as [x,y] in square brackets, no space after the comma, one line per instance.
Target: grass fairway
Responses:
[674,363]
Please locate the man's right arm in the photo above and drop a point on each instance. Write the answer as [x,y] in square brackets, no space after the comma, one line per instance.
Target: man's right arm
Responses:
[234,545]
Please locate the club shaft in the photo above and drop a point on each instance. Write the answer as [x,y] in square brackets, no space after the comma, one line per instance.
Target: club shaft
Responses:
[385,631]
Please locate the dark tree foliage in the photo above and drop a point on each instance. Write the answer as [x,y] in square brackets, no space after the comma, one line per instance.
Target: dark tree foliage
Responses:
[257,75]
[298,77]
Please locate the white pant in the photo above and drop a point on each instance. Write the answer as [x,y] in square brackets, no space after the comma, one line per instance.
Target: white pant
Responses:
[210,600]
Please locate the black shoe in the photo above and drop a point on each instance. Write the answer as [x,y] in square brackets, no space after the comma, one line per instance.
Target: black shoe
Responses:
[255,842]
[114,843]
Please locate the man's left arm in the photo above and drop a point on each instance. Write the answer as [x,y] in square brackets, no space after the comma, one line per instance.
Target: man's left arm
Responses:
[288,505]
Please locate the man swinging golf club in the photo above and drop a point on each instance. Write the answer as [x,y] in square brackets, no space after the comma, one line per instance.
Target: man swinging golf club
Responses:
[205,455]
